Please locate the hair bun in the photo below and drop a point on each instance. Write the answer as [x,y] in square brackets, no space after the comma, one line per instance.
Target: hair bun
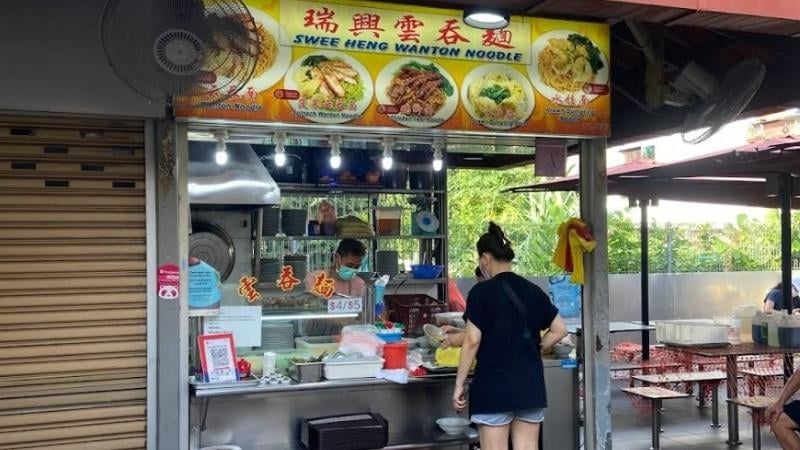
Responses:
[495,230]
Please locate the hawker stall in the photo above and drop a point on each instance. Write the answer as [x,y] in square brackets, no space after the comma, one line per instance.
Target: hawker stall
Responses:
[318,195]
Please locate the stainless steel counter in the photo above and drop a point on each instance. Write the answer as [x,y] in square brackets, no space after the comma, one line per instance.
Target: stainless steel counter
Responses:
[266,417]
[204,390]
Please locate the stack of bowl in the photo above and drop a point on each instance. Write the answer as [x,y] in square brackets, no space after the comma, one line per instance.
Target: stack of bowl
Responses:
[294,222]
[270,270]
[272,221]
[387,262]
[299,264]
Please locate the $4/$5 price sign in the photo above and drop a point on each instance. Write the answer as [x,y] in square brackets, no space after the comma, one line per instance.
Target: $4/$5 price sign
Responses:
[345,305]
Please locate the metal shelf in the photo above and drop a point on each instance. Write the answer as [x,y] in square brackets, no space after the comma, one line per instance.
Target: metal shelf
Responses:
[338,238]
[354,190]
[416,282]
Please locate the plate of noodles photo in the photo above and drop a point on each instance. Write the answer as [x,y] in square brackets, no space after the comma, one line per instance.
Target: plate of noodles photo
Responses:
[423,92]
[274,58]
[497,96]
[564,63]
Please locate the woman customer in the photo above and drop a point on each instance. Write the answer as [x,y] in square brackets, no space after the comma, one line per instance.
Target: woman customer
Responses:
[774,299]
[505,316]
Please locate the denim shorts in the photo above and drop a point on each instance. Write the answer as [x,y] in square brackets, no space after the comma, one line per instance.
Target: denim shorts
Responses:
[535,415]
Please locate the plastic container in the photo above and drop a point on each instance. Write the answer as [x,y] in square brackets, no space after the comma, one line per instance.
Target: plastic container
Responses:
[395,355]
[426,271]
[789,336]
[389,221]
[691,332]
[391,335]
[317,345]
[773,340]
[756,326]
[746,313]
[352,367]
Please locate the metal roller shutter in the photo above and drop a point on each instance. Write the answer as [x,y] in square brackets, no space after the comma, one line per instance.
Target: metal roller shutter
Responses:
[72,284]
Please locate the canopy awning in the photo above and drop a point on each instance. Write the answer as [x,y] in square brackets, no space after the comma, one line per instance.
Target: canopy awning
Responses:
[738,176]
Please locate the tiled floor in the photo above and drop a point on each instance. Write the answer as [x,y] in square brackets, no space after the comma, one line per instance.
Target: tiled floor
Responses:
[685,426]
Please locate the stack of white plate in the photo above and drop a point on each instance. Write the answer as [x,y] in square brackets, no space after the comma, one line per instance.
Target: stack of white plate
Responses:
[277,335]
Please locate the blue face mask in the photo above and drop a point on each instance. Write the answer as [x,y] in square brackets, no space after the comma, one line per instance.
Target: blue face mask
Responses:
[347,273]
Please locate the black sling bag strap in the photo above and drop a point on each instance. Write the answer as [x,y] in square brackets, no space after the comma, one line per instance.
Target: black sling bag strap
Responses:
[520,309]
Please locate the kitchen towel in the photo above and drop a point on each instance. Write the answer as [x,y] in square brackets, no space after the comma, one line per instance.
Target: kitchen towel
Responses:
[574,239]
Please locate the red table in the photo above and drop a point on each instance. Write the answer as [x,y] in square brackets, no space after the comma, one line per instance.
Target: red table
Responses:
[731,353]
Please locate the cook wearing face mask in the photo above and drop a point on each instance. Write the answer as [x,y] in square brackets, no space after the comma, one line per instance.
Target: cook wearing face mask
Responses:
[346,262]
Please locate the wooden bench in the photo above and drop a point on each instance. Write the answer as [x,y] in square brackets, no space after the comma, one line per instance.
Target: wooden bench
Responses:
[655,395]
[751,377]
[646,367]
[711,380]
[757,405]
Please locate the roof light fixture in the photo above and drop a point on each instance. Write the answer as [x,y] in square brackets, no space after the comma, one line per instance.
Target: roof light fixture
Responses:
[221,155]
[336,151]
[280,149]
[438,161]
[485,17]
[387,162]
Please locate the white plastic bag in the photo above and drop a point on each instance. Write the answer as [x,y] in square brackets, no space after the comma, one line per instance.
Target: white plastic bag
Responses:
[359,342]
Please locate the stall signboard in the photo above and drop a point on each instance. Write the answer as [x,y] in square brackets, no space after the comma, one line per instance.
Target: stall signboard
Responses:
[287,281]
[247,289]
[370,64]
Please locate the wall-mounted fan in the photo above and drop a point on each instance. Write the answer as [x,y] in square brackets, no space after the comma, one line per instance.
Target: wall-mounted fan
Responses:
[714,103]
[185,52]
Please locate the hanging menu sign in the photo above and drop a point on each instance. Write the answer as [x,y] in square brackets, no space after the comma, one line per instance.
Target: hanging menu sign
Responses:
[374,64]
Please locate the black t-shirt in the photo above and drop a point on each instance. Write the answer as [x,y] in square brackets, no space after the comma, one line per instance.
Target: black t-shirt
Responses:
[509,375]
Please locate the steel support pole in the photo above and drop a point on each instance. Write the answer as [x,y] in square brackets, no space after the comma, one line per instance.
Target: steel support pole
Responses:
[645,243]
[596,363]
[786,195]
[173,321]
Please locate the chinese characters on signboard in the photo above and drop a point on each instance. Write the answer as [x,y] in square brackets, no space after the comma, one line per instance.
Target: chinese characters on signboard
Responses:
[386,65]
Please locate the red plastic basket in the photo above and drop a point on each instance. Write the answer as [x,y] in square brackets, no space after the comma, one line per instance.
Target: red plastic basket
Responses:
[413,311]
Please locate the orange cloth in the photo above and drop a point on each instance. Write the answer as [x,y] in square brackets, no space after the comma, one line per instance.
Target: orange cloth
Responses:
[574,239]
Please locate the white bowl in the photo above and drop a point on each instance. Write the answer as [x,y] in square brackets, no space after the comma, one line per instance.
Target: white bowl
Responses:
[453,425]
[434,334]
[562,350]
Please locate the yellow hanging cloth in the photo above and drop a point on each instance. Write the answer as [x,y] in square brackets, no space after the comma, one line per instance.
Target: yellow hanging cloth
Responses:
[574,239]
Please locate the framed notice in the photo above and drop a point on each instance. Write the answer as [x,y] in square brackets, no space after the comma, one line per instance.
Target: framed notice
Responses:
[218,357]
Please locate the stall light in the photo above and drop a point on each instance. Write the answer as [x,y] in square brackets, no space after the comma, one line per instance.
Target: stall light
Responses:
[221,156]
[387,162]
[485,18]
[308,316]
[438,161]
[280,149]
[336,152]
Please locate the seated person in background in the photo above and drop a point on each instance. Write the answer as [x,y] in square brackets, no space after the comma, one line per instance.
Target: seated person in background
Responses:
[774,299]
[346,262]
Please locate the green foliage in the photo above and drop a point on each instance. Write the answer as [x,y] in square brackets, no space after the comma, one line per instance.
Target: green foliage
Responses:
[531,221]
